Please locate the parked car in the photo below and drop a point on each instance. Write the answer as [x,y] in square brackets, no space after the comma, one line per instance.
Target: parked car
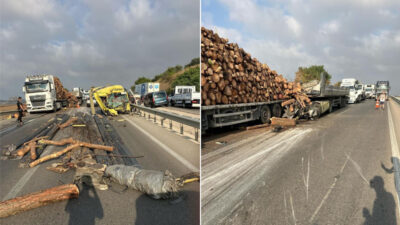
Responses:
[154,99]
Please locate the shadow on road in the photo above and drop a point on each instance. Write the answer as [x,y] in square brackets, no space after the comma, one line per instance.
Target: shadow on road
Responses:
[185,211]
[86,208]
[384,208]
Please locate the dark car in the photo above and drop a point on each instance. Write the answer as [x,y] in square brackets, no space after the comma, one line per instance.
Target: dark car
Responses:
[155,99]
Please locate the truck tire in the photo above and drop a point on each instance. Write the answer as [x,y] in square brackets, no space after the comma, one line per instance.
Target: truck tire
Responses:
[265,114]
[277,110]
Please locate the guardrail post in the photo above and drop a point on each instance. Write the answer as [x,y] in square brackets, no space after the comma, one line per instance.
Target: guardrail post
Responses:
[155,118]
[181,128]
[196,134]
[162,122]
[148,116]
[170,124]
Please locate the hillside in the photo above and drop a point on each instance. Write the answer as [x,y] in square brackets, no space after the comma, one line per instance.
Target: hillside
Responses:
[167,83]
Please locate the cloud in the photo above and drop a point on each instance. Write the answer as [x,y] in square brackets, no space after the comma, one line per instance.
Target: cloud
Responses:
[94,42]
[351,38]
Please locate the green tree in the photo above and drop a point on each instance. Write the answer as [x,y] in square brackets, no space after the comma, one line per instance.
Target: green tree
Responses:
[194,61]
[306,74]
[142,80]
[189,77]
[337,84]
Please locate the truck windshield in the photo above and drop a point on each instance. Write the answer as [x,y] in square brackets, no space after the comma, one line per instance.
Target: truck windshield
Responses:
[117,99]
[38,87]
[368,89]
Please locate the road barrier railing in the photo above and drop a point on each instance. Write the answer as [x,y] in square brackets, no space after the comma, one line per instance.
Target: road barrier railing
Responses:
[182,120]
[396,99]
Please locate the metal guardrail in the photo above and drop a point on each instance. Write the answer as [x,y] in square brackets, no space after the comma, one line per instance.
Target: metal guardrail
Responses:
[396,99]
[183,120]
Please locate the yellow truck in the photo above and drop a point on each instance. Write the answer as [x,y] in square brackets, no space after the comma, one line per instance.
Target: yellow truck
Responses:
[112,99]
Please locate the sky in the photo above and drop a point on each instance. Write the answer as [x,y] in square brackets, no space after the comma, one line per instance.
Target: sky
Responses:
[352,39]
[94,42]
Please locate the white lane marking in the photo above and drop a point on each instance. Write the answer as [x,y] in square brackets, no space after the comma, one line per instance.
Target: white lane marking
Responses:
[395,154]
[328,192]
[23,180]
[166,148]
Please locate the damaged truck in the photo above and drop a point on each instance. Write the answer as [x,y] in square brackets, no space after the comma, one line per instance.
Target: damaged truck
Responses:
[112,99]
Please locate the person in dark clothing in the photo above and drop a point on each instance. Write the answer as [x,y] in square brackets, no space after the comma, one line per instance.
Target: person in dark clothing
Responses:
[21,109]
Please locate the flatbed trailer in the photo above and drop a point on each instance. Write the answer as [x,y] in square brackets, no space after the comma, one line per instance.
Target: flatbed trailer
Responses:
[325,97]
[230,114]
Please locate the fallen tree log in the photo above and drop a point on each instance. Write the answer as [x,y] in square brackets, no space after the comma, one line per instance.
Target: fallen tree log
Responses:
[284,122]
[69,122]
[37,199]
[54,155]
[32,147]
[22,151]
[74,144]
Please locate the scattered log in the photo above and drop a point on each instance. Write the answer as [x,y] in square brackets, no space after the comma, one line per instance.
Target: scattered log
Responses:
[257,126]
[69,122]
[74,144]
[284,122]
[32,147]
[54,155]
[37,199]
[22,151]
[288,102]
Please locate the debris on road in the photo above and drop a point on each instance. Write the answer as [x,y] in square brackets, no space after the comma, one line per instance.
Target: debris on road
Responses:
[284,122]
[37,199]
[156,184]
[73,144]
[69,122]
[257,126]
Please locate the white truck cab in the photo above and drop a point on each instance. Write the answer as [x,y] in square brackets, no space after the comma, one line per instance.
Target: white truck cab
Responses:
[355,89]
[186,96]
[40,93]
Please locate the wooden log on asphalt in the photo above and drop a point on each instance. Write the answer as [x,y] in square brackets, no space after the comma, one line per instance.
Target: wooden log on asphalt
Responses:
[284,122]
[69,122]
[32,147]
[257,126]
[37,199]
[75,144]
[58,143]
[54,155]
[288,102]
[22,151]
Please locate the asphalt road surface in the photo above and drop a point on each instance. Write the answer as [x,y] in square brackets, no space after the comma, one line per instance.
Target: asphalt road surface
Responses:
[162,150]
[336,170]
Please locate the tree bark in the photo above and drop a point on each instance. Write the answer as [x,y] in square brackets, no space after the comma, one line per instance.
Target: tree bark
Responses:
[37,199]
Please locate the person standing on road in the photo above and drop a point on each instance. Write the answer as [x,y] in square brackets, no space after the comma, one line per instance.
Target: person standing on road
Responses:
[382,99]
[21,109]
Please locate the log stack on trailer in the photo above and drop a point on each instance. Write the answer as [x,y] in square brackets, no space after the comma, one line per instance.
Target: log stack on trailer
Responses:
[237,88]
[229,75]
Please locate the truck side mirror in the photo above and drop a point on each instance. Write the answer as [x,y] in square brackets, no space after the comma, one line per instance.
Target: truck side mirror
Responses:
[23,89]
[51,86]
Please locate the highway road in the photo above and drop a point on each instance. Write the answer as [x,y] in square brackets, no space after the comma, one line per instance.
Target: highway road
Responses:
[336,170]
[162,150]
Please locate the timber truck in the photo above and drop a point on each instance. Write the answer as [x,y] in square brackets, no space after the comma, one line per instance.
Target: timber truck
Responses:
[382,87]
[41,94]
[112,99]
[324,99]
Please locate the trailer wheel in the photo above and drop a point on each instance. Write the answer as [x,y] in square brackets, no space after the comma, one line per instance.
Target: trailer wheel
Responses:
[265,114]
[277,110]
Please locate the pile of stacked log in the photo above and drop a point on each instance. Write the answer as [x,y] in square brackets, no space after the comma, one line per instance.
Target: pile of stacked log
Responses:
[229,75]
[63,93]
